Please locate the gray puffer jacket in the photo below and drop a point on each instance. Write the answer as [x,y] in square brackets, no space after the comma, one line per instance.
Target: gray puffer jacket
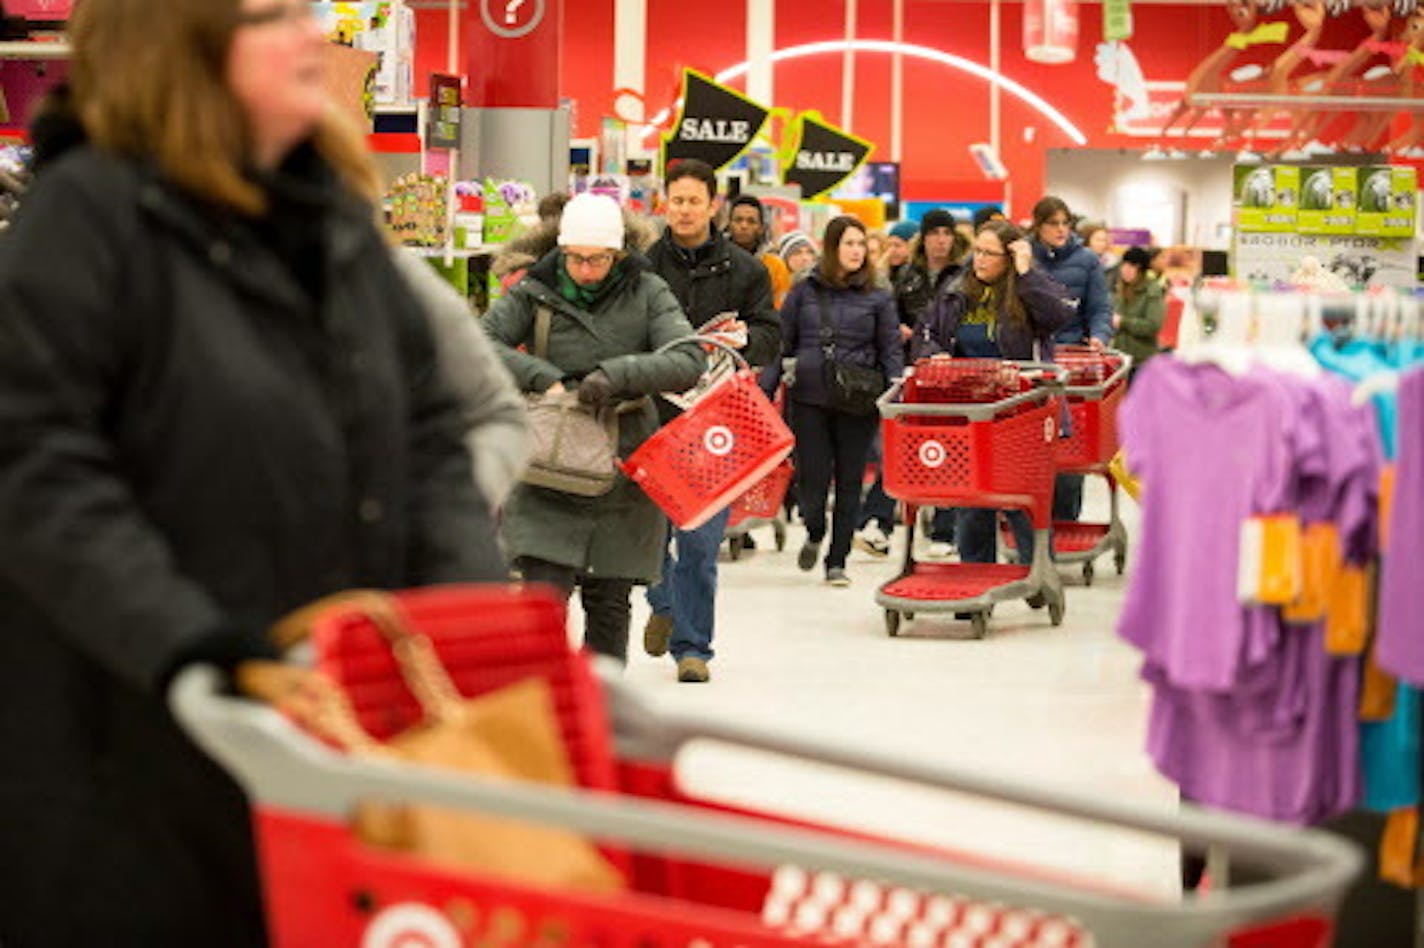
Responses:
[622,534]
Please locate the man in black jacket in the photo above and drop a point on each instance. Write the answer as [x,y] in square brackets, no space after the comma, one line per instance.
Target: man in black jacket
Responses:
[711,277]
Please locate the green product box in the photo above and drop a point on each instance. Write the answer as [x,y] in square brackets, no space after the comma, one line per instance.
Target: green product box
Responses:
[1327,200]
[1388,200]
[1265,198]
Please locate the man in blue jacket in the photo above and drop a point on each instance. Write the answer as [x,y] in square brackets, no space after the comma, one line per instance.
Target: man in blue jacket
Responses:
[1064,257]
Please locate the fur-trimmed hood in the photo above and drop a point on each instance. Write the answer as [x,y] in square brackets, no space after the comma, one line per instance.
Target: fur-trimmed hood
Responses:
[534,245]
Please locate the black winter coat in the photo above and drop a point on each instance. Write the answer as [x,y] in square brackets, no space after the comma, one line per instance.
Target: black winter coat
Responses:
[717,278]
[196,436]
[1044,300]
[867,334]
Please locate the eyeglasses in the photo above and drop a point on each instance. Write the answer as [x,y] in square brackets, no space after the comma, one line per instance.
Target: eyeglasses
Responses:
[981,252]
[595,260]
[276,13]
[1056,222]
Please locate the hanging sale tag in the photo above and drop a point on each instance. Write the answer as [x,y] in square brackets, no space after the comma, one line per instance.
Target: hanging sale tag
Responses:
[1117,20]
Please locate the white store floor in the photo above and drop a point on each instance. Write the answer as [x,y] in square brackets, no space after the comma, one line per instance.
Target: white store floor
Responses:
[1061,707]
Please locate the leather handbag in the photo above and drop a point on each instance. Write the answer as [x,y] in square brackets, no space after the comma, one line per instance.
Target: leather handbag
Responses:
[852,389]
[511,733]
[573,447]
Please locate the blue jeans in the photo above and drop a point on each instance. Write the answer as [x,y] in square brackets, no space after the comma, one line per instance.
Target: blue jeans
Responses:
[978,534]
[1068,497]
[688,590]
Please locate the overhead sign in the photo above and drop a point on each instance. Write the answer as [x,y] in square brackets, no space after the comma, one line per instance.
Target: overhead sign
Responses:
[824,156]
[717,123]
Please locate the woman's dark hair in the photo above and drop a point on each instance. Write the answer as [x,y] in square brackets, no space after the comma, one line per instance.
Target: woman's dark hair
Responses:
[1006,288]
[831,272]
[1046,207]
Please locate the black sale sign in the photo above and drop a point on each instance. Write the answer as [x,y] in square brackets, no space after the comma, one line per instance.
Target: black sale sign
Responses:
[717,124]
[824,156]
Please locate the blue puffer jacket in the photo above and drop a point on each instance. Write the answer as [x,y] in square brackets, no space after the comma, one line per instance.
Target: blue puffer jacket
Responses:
[1044,303]
[867,329]
[1081,273]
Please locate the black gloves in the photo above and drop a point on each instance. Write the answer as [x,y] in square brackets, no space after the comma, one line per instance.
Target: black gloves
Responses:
[596,388]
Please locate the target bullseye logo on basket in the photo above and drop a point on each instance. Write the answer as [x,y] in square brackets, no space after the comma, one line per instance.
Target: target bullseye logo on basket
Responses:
[719,441]
[410,925]
[932,454]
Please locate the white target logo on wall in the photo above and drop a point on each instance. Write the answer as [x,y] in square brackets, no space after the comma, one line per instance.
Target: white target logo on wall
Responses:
[409,925]
[932,454]
[719,441]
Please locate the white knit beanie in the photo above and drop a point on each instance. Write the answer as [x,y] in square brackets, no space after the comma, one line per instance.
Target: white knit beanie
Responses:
[592,220]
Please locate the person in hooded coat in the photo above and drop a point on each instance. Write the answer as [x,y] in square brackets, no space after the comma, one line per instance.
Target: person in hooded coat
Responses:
[610,316]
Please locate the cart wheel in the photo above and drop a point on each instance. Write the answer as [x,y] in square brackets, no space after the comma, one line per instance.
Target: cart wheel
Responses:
[909,617]
[979,622]
[734,547]
[1120,561]
[892,623]
[1036,601]
[779,529]
[1088,572]
[1055,612]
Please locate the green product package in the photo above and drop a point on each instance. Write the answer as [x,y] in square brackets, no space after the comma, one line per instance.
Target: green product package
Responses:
[1327,200]
[1265,198]
[1388,201]
[501,222]
[457,274]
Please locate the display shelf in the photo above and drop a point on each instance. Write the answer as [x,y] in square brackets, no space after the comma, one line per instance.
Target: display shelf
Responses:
[35,49]
[481,250]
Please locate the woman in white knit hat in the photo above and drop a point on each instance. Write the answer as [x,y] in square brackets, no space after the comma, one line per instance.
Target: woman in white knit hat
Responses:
[609,315]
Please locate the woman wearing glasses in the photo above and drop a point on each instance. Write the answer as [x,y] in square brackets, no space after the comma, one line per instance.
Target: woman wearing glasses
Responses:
[608,313]
[219,401]
[1002,307]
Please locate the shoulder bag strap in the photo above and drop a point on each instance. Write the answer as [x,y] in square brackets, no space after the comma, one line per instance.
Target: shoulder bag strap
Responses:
[543,321]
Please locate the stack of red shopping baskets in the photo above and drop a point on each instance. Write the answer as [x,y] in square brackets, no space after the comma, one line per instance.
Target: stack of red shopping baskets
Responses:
[710,454]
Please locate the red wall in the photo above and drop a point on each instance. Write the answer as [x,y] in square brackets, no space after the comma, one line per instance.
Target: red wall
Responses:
[945,110]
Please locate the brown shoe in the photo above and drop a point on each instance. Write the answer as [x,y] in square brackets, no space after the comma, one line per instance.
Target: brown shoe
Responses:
[692,669]
[657,633]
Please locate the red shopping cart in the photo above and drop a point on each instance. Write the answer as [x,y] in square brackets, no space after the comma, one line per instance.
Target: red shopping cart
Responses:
[697,873]
[972,433]
[760,506]
[1096,383]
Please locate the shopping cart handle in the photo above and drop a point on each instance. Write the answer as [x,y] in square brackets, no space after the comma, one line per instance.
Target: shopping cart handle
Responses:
[280,766]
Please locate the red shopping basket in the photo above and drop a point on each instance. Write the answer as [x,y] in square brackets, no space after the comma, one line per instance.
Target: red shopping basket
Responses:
[763,501]
[942,380]
[703,459]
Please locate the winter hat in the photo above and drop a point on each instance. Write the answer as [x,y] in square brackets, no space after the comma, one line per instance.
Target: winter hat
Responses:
[592,220]
[983,214]
[1139,257]
[905,230]
[791,242]
[935,219]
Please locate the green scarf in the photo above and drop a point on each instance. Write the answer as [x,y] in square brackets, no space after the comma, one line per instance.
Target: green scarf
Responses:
[588,297]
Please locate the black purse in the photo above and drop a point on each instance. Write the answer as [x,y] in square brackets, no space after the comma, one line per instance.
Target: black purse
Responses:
[852,389]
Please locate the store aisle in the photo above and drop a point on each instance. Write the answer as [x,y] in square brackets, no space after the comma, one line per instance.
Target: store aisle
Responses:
[1060,707]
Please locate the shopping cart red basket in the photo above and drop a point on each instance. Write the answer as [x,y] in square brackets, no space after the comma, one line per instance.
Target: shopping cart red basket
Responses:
[701,461]
[1096,386]
[761,504]
[697,873]
[994,450]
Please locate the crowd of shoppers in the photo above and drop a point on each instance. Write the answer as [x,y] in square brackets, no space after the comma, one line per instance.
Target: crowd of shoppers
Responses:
[224,396]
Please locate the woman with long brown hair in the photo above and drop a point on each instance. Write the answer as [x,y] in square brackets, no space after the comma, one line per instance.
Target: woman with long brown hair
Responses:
[1002,307]
[219,401]
[837,316]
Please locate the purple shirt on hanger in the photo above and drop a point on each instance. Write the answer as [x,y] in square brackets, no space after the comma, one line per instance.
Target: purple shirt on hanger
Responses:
[1400,649]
